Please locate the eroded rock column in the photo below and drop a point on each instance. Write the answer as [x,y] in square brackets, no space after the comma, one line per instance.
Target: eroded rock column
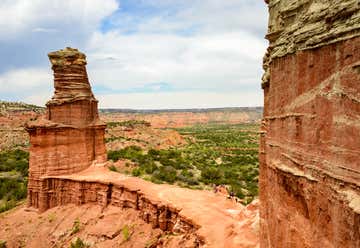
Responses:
[71,137]
[310,143]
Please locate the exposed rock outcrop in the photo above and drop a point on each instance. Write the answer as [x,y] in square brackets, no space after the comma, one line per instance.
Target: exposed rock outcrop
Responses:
[310,142]
[71,136]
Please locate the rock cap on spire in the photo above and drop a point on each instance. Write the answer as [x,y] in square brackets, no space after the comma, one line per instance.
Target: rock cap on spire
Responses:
[67,56]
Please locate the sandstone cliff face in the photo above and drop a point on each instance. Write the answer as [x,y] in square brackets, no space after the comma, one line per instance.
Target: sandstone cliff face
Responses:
[310,144]
[71,136]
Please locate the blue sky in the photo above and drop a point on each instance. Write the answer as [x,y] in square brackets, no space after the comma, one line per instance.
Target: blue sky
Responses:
[141,53]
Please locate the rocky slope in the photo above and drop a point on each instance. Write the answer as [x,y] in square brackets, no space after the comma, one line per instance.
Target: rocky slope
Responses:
[142,134]
[13,116]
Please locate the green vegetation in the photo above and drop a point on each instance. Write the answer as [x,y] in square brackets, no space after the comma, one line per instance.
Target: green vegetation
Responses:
[126,233]
[76,227]
[2,244]
[13,178]
[129,123]
[113,168]
[78,244]
[215,154]
[18,106]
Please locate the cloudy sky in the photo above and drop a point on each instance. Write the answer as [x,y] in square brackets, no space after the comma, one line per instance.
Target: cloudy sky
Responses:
[146,54]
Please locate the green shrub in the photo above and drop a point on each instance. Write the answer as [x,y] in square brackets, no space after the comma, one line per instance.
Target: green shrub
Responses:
[75,227]
[113,168]
[7,205]
[130,152]
[153,179]
[78,244]
[211,175]
[126,233]
[16,160]
[13,181]
[238,191]
[2,244]
[188,180]
[166,173]
[149,167]
[187,173]
[154,153]
[136,172]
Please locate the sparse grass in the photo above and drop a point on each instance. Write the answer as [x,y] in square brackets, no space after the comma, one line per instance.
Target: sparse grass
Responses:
[51,217]
[2,244]
[151,243]
[126,233]
[113,168]
[76,227]
[78,243]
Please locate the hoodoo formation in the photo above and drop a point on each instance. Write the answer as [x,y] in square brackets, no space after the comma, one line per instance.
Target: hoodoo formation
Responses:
[68,166]
[71,137]
[309,155]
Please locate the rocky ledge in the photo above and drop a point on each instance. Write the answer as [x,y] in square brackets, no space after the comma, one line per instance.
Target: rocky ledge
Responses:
[197,218]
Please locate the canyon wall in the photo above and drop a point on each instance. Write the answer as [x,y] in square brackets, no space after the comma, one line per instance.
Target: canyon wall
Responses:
[310,139]
[71,136]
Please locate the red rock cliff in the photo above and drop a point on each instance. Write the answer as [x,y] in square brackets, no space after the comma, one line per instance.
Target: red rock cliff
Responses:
[71,137]
[310,144]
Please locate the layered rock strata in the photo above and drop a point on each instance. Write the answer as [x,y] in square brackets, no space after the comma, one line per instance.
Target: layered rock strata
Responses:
[310,142]
[71,136]
[68,166]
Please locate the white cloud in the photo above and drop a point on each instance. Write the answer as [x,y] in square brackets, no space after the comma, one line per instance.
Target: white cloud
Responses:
[39,99]
[165,100]
[180,100]
[24,80]
[198,47]
[18,17]
[44,30]
[202,45]
[199,62]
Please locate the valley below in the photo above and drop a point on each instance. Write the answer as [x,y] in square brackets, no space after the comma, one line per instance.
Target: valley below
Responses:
[190,151]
